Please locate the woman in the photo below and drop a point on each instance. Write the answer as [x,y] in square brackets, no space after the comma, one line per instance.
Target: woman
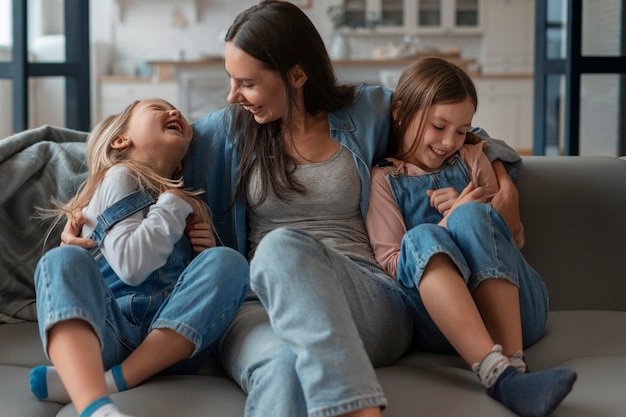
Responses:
[297,149]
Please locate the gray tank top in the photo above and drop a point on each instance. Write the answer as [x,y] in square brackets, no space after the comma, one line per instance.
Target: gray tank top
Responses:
[329,210]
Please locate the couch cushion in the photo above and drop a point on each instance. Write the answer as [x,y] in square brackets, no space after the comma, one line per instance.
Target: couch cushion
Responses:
[16,399]
[21,345]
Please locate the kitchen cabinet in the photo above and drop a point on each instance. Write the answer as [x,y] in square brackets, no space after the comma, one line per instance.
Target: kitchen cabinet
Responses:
[508,37]
[505,109]
[415,16]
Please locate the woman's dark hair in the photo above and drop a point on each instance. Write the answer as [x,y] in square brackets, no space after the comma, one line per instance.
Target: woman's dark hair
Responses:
[281,36]
[423,84]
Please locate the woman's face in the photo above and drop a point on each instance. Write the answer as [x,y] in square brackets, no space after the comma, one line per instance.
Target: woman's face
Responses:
[259,90]
[443,134]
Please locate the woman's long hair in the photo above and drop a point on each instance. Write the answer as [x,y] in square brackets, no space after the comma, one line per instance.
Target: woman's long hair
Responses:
[425,83]
[281,36]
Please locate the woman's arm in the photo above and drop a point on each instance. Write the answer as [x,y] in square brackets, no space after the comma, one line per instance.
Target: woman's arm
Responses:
[506,202]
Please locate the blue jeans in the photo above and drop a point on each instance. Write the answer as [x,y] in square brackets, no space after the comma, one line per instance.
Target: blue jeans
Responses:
[479,243]
[200,306]
[309,344]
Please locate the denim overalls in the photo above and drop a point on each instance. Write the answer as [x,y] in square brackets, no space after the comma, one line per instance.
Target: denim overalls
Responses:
[477,240]
[139,303]
[195,297]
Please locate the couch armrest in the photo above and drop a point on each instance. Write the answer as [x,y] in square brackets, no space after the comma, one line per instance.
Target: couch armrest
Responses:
[574,213]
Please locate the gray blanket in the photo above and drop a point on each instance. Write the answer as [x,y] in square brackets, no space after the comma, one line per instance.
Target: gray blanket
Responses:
[36,166]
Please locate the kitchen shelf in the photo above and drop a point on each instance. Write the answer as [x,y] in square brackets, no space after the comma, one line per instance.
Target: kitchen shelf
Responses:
[121,5]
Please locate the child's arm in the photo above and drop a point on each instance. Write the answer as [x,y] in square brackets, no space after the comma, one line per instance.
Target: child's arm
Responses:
[142,242]
[503,193]
[199,227]
[385,224]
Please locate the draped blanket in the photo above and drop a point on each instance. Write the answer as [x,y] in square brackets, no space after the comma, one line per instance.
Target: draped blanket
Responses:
[37,166]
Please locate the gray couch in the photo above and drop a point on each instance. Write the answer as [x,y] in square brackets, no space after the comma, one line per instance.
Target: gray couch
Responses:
[574,212]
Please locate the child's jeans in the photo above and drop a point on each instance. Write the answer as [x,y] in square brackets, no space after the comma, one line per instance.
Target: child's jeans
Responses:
[479,243]
[196,298]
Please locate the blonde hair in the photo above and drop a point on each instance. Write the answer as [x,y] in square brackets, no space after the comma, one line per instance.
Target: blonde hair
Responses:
[423,84]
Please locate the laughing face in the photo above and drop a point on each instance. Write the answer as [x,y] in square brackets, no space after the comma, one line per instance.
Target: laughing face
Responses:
[259,90]
[157,134]
[443,135]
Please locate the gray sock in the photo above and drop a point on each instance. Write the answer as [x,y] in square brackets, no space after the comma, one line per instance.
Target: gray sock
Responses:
[519,362]
[492,365]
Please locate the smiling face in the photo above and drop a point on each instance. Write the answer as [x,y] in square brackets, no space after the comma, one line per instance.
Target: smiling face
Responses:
[259,90]
[157,134]
[443,134]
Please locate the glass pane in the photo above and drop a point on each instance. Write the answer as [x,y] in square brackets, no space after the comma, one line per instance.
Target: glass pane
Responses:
[555,112]
[429,13]
[392,13]
[467,13]
[6,30]
[46,101]
[46,31]
[602,28]
[6,108]
[556,29]
[600,104]
[354,14]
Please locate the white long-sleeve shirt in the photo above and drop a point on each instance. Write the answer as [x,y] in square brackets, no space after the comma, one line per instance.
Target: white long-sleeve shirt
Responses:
[142,242]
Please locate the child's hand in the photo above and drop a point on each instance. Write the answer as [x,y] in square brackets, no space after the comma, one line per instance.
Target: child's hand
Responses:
[201,236]
[442,199]
[72,229]
[469,194]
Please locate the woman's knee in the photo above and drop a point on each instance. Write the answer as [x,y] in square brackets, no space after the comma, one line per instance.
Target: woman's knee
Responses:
[283,252]
[283,240]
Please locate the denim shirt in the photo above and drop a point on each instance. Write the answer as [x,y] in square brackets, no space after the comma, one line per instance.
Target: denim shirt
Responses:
[212,162]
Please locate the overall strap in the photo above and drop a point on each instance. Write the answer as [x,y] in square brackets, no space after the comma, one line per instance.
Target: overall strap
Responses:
[132,203]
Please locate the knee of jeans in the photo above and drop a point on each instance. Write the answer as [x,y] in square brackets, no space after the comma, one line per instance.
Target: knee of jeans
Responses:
[284,238]
[62,258]
[470,214]
[282,246]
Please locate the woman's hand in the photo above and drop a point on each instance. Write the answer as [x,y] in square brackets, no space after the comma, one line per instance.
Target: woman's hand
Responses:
[442,199]
[72,229]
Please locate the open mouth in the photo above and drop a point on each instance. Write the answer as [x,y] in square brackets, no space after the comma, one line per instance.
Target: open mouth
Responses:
[438,151]
[175,125]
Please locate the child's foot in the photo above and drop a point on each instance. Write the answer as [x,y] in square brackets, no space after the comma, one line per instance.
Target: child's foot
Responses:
[46,385]
[102,407]
[534,394]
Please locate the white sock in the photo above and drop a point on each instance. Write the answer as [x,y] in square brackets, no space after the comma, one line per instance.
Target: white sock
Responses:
[102,407]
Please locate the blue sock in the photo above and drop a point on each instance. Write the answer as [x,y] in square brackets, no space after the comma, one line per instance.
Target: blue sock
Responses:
[535,394]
